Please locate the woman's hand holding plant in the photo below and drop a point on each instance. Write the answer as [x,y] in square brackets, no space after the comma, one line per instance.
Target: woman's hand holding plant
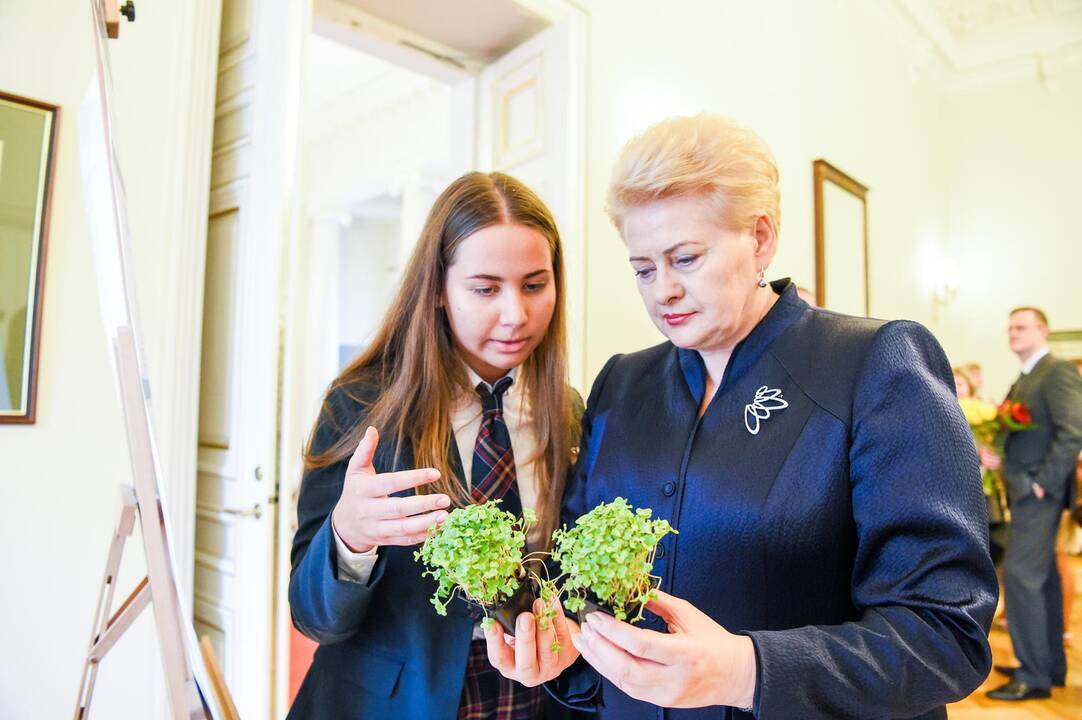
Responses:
[696,664]
[541,648]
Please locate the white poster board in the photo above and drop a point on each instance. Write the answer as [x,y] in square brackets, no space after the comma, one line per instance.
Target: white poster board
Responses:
[190,690]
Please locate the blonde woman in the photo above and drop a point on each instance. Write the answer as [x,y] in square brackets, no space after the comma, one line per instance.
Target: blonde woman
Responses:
[832,554]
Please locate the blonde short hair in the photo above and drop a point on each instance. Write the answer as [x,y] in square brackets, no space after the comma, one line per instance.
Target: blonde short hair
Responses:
[705,155]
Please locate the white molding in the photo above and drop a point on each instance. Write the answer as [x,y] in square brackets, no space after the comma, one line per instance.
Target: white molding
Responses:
[1045,69]
[193,161]
[365,32]
[551,10]
[576,262]
[283,194]
[192,64]
[1038,49]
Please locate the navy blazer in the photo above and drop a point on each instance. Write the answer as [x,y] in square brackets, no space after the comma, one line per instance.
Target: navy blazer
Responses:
[383,651]
[847,538]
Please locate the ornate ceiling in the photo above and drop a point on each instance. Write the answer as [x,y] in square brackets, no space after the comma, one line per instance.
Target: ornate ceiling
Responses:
[980,42]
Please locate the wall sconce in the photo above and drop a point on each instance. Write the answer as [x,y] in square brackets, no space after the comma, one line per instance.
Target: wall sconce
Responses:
[943,293]
[944,285]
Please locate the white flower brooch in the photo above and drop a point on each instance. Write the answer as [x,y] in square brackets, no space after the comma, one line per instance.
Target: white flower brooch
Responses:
[766,402]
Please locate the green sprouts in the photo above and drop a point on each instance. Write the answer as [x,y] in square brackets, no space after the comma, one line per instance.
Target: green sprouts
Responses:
[479,551]
[609,554]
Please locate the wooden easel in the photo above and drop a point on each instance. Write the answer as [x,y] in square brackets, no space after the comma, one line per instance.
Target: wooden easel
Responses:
[143,503]
[187,678]
[112,13]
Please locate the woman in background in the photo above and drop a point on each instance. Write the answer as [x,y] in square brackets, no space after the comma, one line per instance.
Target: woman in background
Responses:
[963,386]
[966,384]
[975,374]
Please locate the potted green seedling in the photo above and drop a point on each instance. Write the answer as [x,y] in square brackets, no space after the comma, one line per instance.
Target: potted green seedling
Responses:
[606,559]
[479,553]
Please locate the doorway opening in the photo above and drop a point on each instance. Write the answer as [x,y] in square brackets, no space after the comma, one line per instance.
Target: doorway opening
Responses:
[398,100]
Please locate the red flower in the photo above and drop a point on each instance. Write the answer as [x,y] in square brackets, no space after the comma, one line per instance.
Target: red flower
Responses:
[1020,413]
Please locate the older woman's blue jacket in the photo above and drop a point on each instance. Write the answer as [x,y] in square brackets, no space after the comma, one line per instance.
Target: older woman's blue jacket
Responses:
[847,537]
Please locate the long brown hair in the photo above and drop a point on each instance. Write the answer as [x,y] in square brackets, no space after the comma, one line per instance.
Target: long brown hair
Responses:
[413,363]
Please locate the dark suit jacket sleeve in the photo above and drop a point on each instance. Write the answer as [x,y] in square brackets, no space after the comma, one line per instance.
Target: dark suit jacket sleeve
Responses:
[922,579]
[1062,390]
[324,608]
[579,687]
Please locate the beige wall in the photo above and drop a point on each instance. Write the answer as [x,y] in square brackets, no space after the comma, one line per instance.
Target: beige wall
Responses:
[986,182]
[1015,217]
[59,478]
[815,79]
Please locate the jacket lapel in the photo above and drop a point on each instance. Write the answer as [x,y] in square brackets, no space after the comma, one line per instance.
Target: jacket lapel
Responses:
[1026,383]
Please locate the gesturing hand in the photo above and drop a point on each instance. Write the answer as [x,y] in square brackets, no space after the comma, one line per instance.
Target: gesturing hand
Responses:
[365,516]
[531,661]
[697,663]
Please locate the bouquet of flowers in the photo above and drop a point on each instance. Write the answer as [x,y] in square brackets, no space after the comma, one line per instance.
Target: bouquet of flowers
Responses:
[987,421]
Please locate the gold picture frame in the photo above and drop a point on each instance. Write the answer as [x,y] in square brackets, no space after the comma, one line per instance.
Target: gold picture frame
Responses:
[841,241]
[28,131]
[1066,344]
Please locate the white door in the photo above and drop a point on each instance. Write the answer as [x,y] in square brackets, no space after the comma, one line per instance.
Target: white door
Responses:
[531,114]
[251,171]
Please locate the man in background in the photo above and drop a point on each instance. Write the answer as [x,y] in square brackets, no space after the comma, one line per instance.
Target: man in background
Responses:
[1038,469]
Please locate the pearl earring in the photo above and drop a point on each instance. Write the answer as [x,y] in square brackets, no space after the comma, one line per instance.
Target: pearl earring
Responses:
[762,276]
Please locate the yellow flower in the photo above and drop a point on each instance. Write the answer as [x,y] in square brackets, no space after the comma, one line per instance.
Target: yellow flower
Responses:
[977,411]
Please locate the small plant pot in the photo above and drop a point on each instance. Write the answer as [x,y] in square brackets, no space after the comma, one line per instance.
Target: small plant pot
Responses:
[507,612]
[591,606]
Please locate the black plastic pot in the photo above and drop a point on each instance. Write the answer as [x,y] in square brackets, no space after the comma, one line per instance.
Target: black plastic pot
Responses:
[507,612]
[591,606]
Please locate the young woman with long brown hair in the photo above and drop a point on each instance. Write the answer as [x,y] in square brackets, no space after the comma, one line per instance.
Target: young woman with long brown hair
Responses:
[467,381]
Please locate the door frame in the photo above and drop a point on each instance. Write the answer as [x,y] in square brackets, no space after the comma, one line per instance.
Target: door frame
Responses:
[254,70]
[180,464]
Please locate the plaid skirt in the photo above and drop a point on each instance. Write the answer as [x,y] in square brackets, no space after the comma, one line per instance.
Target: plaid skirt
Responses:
[488,695]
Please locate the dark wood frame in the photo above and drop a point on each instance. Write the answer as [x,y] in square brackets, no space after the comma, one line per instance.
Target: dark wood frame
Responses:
[39,294]
[822,171]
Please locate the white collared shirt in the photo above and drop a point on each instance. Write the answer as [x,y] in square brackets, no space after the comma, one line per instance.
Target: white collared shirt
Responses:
[1028,365]
[465,423]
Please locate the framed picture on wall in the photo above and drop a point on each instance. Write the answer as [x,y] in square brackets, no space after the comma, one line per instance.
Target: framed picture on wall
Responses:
[27,150]
[841,241]
[1066,344]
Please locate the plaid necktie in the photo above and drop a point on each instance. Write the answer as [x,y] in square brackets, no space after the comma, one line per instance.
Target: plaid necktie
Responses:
[493,473]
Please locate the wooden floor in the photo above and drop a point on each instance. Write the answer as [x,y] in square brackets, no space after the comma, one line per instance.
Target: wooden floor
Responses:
[1065,703]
